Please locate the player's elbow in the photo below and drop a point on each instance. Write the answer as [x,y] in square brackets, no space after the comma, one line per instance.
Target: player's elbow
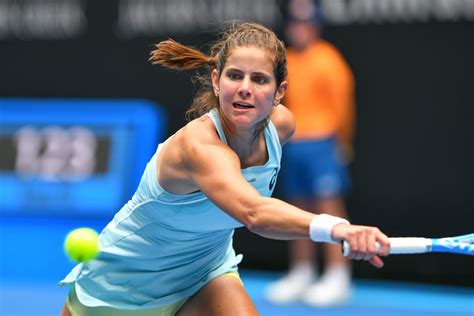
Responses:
[250,212]
[254,221]
[251,220]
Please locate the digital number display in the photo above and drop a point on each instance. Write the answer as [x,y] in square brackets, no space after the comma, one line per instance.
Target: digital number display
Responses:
[67,153]
[74,157]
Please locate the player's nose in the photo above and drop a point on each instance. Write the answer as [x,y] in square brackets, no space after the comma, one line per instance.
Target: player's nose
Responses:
[245,88]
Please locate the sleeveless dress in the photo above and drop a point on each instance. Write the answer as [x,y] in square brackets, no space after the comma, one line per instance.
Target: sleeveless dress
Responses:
[161,247]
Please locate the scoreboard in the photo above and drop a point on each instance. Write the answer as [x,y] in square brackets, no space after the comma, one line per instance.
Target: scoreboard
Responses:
[74,157]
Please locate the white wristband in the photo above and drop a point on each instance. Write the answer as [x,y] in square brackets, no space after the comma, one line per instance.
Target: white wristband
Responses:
[321,226]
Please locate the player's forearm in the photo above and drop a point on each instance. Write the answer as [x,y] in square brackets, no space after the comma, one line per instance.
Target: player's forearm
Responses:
[276,219]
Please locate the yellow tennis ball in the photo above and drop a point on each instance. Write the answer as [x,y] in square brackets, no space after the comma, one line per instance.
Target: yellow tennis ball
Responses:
[82,244]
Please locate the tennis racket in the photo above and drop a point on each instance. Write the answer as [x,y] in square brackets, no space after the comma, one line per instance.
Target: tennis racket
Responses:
[463,245]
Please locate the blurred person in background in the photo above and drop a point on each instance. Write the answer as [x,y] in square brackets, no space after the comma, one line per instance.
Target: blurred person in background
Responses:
[315,174]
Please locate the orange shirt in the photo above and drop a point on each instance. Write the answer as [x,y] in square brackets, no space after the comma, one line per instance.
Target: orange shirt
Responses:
[320,93]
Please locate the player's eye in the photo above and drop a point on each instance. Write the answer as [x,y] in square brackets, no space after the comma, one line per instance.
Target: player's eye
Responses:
[260,79]
[234,76]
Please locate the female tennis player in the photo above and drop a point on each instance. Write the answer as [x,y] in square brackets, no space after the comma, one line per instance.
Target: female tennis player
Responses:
[169,251]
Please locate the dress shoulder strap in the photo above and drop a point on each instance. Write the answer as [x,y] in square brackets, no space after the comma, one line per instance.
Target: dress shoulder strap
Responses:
[214,116]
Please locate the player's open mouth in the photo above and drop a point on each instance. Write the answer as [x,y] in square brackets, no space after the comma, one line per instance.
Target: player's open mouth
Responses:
[242,105]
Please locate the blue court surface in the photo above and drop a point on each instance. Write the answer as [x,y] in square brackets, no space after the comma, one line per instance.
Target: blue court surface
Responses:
[369,298]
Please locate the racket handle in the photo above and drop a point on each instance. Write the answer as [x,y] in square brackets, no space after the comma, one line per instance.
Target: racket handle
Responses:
[400,245]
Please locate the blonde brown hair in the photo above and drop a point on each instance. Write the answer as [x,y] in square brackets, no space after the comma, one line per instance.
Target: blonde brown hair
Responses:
[177,56]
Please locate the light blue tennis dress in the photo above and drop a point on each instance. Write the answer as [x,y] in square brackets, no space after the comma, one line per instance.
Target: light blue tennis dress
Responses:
[161,248]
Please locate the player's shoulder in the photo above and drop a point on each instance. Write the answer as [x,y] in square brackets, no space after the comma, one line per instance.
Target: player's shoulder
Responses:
[284,122]
[199,130]
[196,137]
[200,146]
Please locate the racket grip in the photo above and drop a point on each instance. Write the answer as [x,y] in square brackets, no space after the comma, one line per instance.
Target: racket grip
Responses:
[400,245]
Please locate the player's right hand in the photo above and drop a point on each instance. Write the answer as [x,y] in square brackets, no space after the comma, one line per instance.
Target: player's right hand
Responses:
[362,242]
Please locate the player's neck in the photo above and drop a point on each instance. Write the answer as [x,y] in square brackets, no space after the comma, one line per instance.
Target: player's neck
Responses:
[248,148]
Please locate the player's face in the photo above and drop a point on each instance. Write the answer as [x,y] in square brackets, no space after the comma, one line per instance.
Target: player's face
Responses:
[247,86]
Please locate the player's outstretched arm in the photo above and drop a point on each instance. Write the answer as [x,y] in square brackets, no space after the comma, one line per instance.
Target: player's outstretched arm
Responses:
[213,168]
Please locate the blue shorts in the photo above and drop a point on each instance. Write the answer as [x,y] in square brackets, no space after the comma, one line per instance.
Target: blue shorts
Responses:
[313,169]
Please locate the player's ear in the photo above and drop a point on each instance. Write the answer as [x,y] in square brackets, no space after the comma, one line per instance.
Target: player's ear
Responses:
[280,92]
[215,81]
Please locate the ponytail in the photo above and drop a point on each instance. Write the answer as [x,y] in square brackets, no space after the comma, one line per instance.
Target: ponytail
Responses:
[174,55]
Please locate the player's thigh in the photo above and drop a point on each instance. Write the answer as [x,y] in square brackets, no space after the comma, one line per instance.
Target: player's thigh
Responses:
[65,311]
[224,295]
